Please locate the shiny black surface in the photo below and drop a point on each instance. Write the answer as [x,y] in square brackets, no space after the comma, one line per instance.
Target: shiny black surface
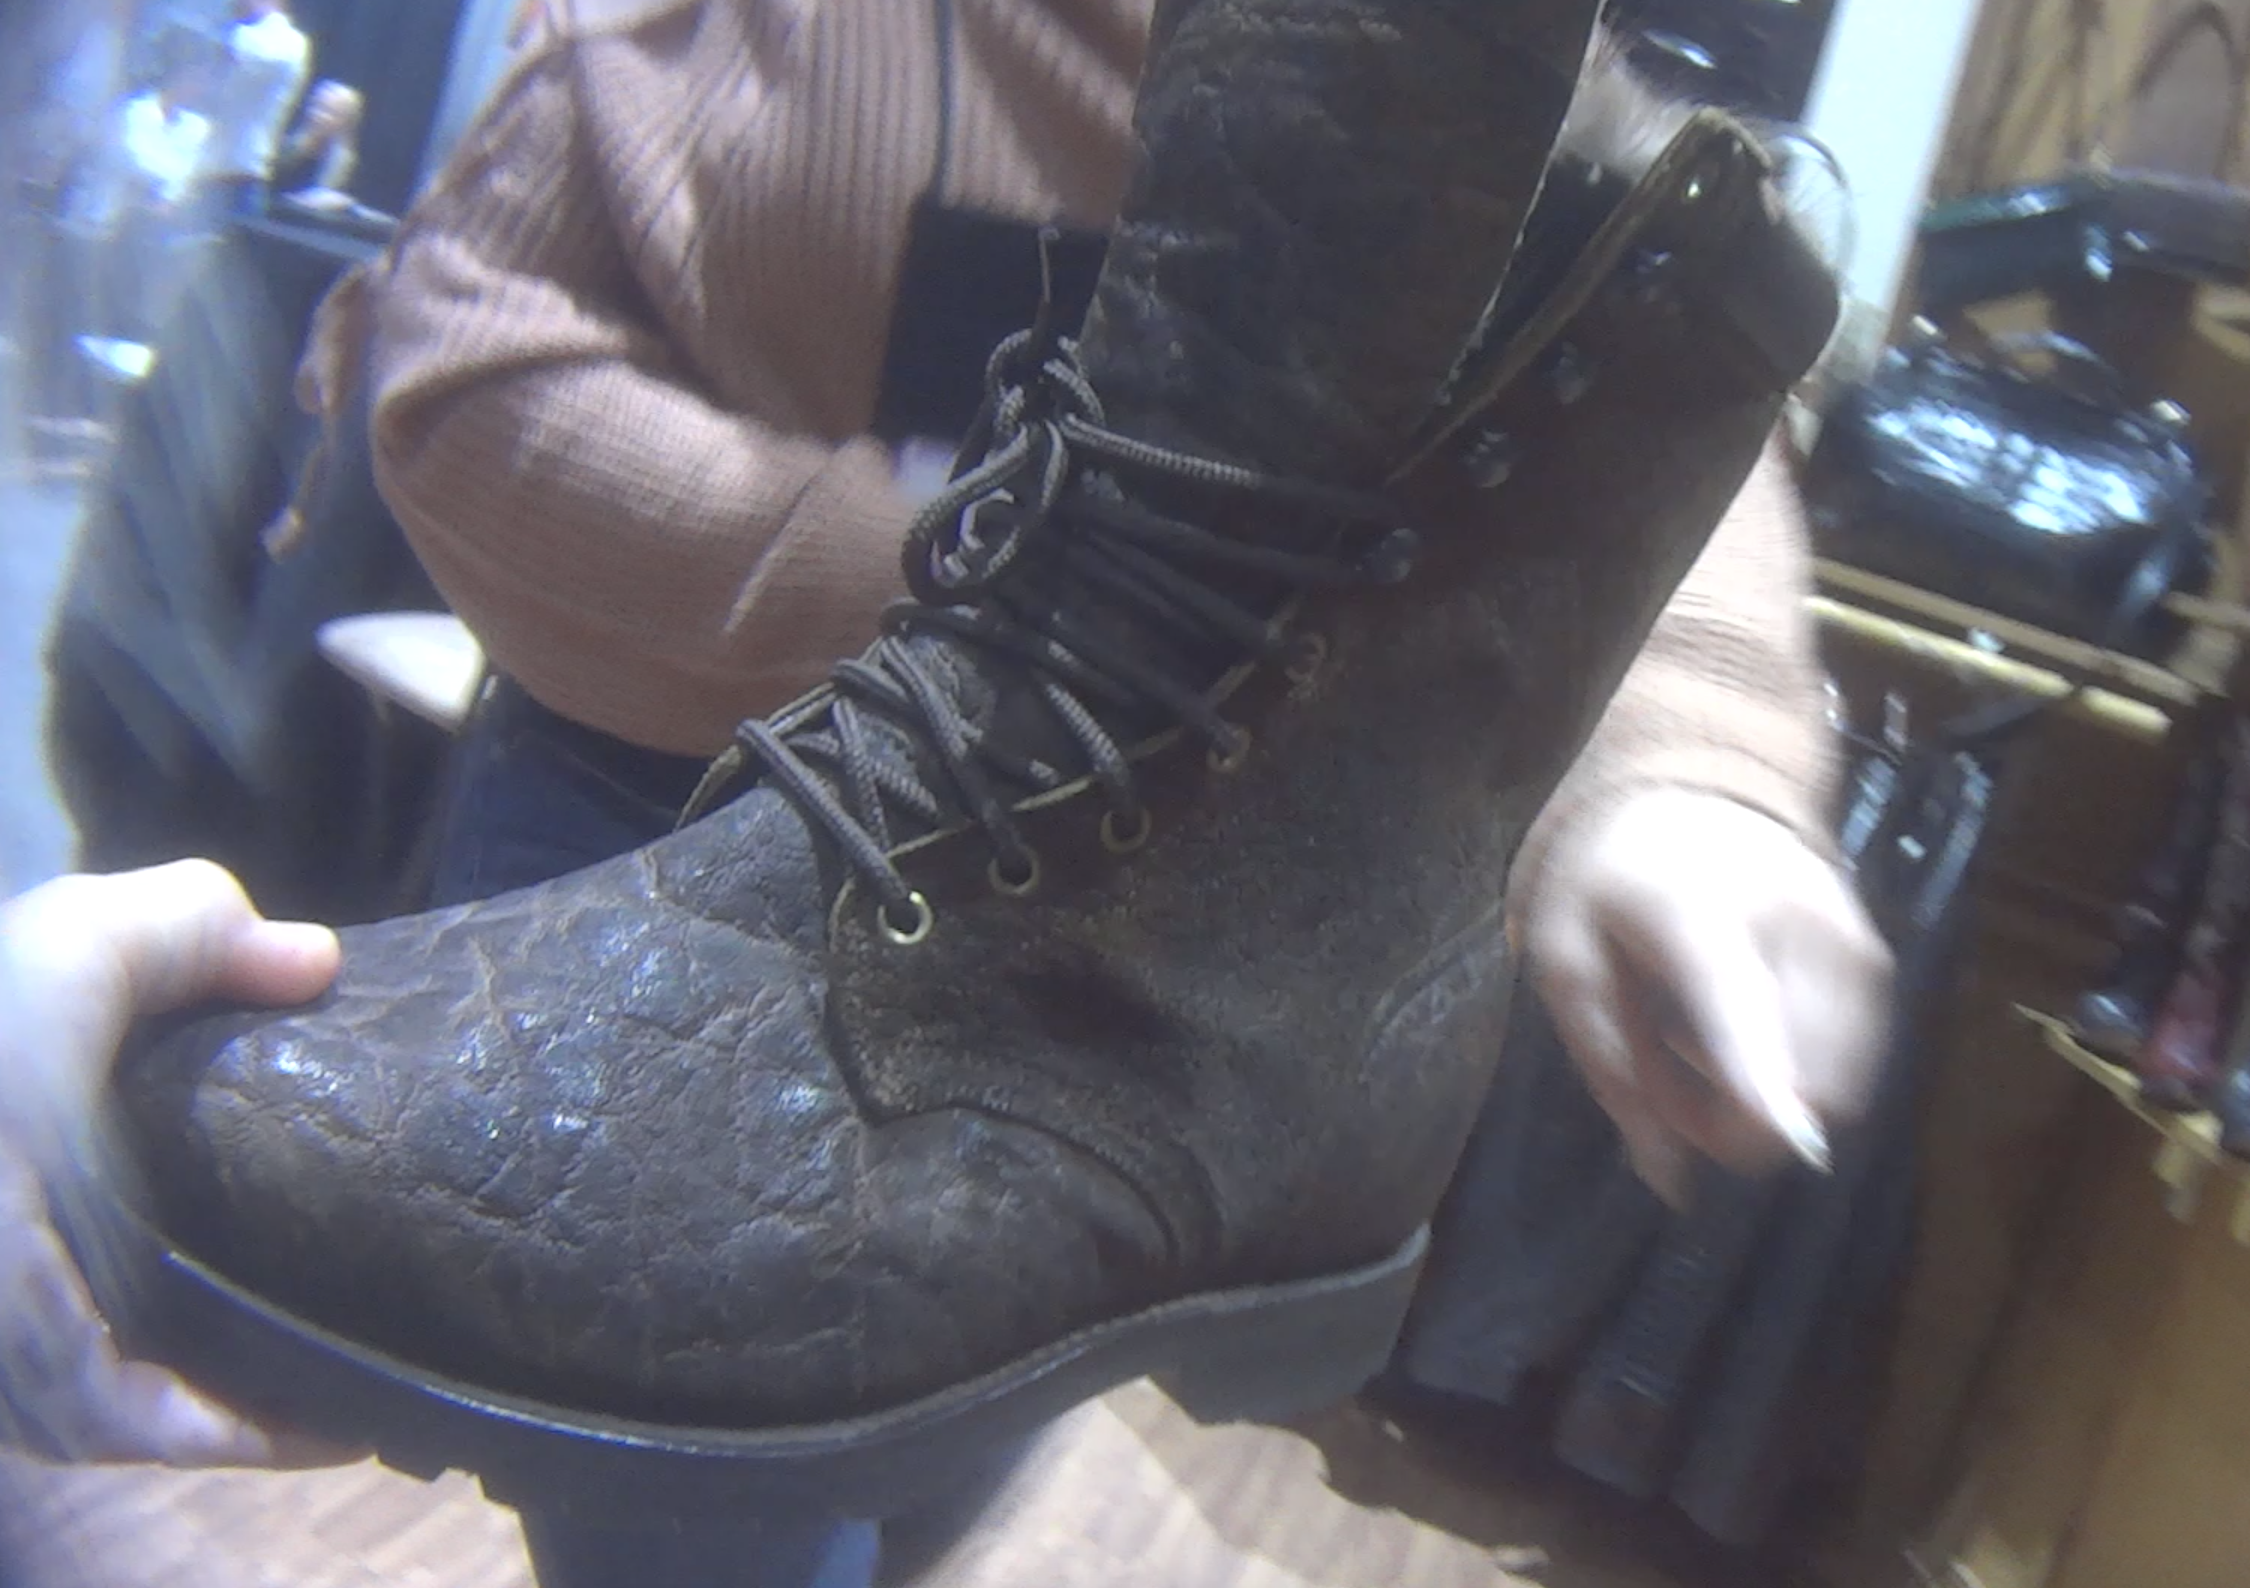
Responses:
[2042,497]
[1757,56]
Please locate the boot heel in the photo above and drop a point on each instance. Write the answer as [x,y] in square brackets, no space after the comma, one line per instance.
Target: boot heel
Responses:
[1293,1349]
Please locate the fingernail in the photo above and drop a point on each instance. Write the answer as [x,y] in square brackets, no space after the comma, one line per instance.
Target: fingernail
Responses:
[193,1432]
[1803,1133]
[1786,1112]
[306,937]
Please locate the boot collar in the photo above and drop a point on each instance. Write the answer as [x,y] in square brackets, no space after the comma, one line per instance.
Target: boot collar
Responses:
[1706,225]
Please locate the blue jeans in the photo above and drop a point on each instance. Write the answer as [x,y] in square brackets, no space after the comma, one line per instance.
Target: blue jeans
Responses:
[535,797]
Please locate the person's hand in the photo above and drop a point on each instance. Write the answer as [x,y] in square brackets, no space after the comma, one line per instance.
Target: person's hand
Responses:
[81,959]
[1716,979]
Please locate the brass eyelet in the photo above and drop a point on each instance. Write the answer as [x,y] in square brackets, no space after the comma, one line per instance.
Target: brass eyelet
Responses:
[1014,887]
[1124,843]
[1233,758]
[1304,667]
[907,937]
[1489,458]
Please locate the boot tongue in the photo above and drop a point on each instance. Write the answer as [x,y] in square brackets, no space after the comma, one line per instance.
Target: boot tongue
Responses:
[1050,592]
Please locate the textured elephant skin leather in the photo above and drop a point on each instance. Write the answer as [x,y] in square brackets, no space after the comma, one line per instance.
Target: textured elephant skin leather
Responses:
[687,1137]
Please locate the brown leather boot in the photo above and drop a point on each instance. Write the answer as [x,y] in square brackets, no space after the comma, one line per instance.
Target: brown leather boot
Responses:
[2116,1017]
[1101,975]
[2185,1051]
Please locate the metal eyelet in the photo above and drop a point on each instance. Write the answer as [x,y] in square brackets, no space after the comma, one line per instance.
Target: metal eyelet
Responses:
[1304,667]
[1234,757]
[1014,887]
[1489,459]
[1570,375]
[1391,560]
[1649,276]
[1124,843]
[907,937]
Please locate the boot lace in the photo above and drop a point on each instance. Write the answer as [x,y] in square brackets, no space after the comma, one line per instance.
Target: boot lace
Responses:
[1051,487]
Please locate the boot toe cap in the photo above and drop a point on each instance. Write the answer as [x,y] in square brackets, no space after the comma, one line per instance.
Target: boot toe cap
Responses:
[618,1173]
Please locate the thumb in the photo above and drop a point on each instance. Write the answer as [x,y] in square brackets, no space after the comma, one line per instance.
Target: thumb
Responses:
[184,932]
[279,962]
[83,957]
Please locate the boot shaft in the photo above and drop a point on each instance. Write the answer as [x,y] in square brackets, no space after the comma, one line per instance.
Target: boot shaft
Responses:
[1326,197]
[1322,913]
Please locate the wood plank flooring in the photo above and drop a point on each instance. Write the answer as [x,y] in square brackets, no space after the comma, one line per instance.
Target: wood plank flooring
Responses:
[1127,1491]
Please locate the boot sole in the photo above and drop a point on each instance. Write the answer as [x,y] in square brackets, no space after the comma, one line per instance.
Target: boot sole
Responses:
[1261,1353]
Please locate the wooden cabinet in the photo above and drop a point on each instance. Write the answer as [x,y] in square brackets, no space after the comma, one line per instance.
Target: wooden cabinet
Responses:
[2069,1404]
[2107,1447]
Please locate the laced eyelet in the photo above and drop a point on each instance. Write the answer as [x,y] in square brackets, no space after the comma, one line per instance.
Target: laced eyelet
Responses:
[1233,757]
[1489,457]
[1014,887]
[908,936]
[1571,375]
[1648,276]
[1120,842]
[1311,651]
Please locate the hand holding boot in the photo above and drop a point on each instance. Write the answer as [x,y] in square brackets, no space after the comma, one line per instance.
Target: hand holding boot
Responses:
[1711,974]
[80,959]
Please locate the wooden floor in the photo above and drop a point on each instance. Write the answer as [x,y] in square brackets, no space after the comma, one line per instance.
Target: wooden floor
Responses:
[1127,1491]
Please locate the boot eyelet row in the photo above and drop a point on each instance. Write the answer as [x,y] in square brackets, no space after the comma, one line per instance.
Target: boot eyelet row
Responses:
[1304,666]
[1234,757]
[1123,841]
[907,936]
[1490,457]
[1015,887]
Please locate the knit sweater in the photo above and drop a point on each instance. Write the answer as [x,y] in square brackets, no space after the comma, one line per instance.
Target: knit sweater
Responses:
[626,350]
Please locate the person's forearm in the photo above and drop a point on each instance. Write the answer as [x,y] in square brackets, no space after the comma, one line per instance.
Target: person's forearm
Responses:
[1727,695]
[637,556]
[636,559]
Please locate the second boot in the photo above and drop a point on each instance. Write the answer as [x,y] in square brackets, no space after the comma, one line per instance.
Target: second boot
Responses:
[2115,1018]
[2185,1051]
[1100,976]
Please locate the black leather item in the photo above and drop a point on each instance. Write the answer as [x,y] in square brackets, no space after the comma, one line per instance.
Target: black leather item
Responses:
[2039,496]
[1101,977]
[2186,1049]
[1724,1359]
[2229,1097]
[968,279]
[1792,1395]
[1753,56]
[2041,236]
[2077,231]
